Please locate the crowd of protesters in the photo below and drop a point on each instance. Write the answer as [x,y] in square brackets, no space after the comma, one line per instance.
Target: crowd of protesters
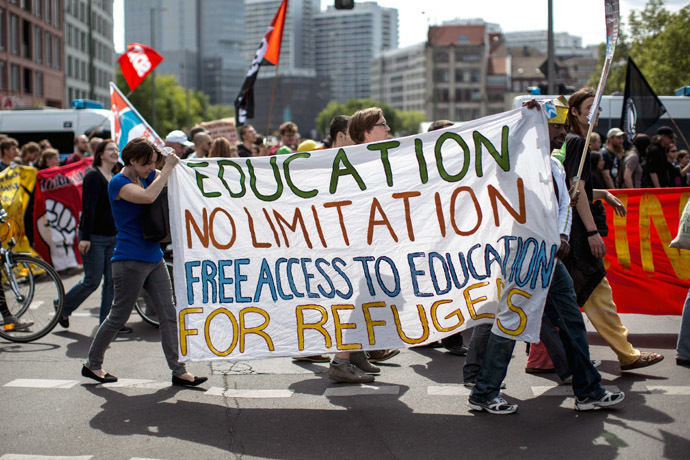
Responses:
[115,253]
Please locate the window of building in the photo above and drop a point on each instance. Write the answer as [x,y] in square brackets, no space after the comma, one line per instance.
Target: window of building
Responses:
[26,39]
[57,54]
[441,56]
[83,42]
[84,76]
[70,95]
[28,81]
[69,35]
[38,84]
[14,77]
[3,77]
[69,66]
[2,29]
[26,4]
[38,45]
[441,75]
[38,8]
[47,14]
[82,11]
[48,48]
[442,95]
[443,114]
[56,13]
[14,34]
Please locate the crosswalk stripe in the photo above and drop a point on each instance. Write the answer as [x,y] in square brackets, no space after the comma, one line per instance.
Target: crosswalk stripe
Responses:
[362,390]
[44,457]
[447,390]
[240,393]
[669,390]
[137,383]
[40,383]
[561,390]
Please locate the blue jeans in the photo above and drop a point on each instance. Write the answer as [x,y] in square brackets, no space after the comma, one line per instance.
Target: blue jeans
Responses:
[97,265]
[683,348]
[563,312]
[476,350]
[551,339]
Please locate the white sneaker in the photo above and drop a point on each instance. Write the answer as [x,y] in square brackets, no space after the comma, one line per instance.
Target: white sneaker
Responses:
[608,399]
[496,406]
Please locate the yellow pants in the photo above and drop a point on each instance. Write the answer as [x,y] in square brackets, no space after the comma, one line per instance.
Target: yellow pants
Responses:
[603,314]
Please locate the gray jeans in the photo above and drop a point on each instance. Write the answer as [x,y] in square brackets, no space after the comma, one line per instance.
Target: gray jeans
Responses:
[129,276]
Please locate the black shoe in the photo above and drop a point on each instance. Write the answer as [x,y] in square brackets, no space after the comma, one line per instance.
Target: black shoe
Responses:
[186,383]
[460,350]
[64,321]
[107,378]
[682,362]
[125,330]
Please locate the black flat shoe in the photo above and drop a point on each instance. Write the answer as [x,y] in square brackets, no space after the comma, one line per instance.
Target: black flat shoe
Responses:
[107,378]
[186,383]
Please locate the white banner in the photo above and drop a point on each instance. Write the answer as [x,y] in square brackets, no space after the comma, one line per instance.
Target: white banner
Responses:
[387,245]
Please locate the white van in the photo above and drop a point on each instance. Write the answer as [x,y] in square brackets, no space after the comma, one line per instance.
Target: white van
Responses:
[611,106]
[59,126]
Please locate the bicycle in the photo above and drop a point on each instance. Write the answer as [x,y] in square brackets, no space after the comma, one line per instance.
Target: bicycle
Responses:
[31,292]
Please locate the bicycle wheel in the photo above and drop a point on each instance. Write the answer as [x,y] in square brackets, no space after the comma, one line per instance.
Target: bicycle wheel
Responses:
[37,297]
[144,305]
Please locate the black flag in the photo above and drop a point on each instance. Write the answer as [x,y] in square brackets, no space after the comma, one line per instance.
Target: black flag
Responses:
[268,53]
[641,107]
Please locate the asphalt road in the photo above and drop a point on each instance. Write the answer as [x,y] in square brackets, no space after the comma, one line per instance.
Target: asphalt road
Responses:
[282,409]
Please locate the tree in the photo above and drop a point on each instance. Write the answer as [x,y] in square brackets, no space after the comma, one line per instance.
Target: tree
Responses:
[658,45]
[171,104]
[401,123]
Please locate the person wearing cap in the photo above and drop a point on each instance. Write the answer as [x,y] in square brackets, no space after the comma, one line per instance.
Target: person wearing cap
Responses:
[655,171]
[585,262]
[309,145]
[178,141]
[613,153]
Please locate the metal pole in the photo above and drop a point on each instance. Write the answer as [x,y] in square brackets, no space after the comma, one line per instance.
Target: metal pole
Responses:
[153,73]
[550,65]
[92,67]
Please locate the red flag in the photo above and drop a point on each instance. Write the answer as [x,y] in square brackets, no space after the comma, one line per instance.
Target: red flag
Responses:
[268,53]
[137,62]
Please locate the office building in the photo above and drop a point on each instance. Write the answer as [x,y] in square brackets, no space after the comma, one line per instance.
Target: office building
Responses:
[31,54]
[200,41]
[398,77]
[347,41]
[89,50]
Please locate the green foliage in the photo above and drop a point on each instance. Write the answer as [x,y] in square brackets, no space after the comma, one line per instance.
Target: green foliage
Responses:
[401,123]
[658,45]
[171,104]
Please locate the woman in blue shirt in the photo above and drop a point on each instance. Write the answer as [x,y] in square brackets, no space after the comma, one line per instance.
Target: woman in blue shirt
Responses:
[138,263]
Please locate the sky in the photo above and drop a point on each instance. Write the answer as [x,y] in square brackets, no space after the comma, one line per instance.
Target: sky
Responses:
[586,20]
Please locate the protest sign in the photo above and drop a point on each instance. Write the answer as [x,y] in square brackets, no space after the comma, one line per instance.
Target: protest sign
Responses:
[225,127]
[57,207]
[16,186]
[391,244]
[647,276]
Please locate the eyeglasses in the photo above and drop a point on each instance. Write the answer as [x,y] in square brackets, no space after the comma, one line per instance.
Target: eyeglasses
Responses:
[383,123]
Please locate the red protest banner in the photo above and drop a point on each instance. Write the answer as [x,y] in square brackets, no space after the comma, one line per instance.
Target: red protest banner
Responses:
[57,206]
[647,277]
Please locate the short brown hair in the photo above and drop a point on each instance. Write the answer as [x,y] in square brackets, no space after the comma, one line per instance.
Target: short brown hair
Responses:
[7,143]
[288,127]
[30,147]
[139,149]
[363,121]
[244,129]
[575,101]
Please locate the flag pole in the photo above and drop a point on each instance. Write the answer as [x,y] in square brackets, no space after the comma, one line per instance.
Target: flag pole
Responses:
[679,131]
[93,131]
[270,107]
